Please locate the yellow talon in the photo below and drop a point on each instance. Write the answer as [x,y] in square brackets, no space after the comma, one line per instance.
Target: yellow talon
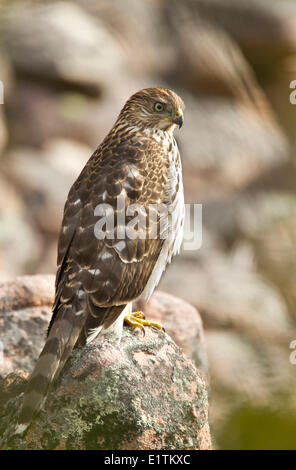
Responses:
[137,320]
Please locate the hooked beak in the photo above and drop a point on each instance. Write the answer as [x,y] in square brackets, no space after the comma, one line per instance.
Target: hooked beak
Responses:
[178,118]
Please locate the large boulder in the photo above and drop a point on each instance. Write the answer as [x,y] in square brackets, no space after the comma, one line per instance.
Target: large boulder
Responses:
[142,394]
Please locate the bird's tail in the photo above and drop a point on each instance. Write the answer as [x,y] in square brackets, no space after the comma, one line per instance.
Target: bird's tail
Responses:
[60,342]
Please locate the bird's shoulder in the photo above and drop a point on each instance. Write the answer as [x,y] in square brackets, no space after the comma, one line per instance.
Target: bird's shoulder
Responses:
[127,166]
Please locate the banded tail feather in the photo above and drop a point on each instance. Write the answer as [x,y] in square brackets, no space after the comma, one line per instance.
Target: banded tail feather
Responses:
[61,340]
[71,325]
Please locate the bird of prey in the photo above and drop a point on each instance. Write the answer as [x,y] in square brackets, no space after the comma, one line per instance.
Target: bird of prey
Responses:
[100,272]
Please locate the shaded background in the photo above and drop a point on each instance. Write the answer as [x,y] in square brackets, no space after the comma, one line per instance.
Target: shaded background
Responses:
[68,68]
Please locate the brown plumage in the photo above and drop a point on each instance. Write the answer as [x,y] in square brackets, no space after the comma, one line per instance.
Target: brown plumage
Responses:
[138,162]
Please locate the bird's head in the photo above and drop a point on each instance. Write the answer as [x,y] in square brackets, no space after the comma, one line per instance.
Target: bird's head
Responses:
[154,108]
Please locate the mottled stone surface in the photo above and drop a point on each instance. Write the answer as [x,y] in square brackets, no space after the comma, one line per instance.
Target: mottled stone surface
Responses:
[25,310]
[142,394]
[145,394]
[181,321]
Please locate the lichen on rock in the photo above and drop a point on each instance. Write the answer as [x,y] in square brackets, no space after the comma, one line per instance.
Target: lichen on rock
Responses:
[142,394]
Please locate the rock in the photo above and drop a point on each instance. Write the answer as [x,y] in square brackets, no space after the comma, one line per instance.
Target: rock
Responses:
[228,60]
[145,26]
[45,177]
[244,148]
[208,61]
[143,395]
[145,386]
[75,52]
[25,299]
[221,92]
[69,114]
[182,322]
[25,311]
[41,180]
[271,236]
[265,33]
[15,231]
[229,293]
[30,102]
[232,219]
[265,30]
[248,325]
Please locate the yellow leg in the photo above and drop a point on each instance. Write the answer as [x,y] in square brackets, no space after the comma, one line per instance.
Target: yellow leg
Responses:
[137,320]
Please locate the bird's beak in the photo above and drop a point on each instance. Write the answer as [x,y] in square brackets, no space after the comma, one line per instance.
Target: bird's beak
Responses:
[178,118]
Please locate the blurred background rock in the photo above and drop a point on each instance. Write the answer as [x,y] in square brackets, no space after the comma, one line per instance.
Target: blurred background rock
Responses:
[67,69]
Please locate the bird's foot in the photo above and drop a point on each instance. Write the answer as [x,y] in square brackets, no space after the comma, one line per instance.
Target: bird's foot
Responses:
[137,320]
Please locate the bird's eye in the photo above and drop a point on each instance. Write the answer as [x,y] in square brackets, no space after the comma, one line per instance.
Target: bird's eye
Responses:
[159,107]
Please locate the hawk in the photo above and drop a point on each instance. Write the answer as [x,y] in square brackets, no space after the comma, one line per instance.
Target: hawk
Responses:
[100,272]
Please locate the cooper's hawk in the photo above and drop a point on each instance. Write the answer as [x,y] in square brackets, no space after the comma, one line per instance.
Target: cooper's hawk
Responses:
[100,272]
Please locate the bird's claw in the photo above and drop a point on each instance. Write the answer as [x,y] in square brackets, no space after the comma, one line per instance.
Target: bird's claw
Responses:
[137,320]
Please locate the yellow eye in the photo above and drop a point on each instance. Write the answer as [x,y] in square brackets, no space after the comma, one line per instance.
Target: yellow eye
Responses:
[159,107]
